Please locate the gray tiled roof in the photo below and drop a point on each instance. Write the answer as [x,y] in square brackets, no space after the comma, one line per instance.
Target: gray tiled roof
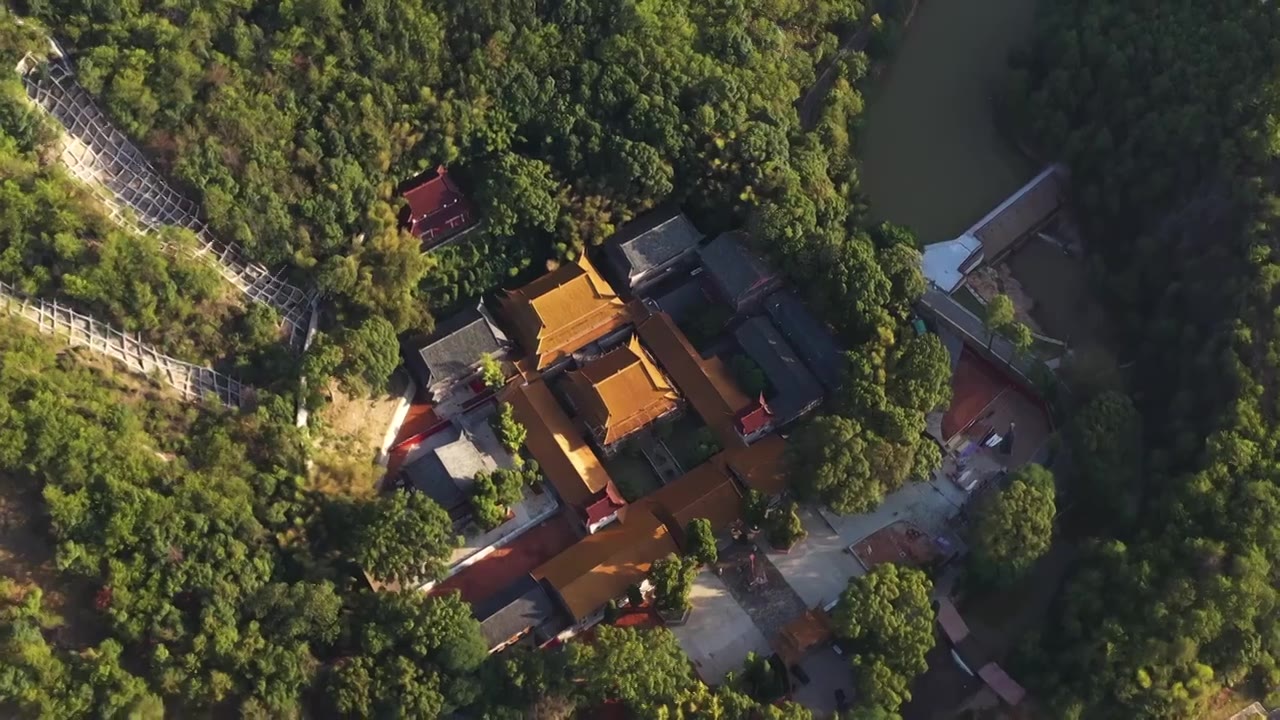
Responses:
[734,268]
[447,473]
[651,240]
[523,605]
[809,336]
[794,387]
[455,347]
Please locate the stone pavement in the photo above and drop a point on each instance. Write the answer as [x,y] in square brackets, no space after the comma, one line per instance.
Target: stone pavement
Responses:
[719,633]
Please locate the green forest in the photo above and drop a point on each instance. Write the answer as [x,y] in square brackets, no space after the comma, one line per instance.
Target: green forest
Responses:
[294,123]
[1168,115]
[198,569]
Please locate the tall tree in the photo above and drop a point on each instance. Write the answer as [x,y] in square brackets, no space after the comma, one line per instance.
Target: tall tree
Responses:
[404,537]
[645,669]
[887,618]
[1014,528]
[1106,441]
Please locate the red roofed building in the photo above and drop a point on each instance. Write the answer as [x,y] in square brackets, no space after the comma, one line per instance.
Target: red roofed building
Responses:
[756,421]
[437,208]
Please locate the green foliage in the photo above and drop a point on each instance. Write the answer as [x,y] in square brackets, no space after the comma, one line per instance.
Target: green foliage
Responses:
[785,527]
[491,372]
[510,432]
[180,547]
[760,679]
[40,680]
[370,353]
[887,620]
[701,542]
[404,537]
[999,313]
[645,669]
[494,493]
[380,277]
[56,243]
[412,655]
[755,508]
[1014,527]
[1106,442]
[851,460]
[1166,114]
[837,461]
[750,378]
[672,579]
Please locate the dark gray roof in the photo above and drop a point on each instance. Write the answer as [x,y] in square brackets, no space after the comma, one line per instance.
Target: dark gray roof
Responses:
[650,240]
[523,605]
[683,300]
[734,268]
[794,387]
[454,349]
[447,473]
[809,336]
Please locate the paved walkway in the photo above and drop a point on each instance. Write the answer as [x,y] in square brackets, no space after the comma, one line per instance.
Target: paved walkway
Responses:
[818,568]
[772,603]
[719,632]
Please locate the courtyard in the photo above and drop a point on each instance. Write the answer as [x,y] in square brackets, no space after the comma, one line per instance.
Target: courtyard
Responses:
[719,632]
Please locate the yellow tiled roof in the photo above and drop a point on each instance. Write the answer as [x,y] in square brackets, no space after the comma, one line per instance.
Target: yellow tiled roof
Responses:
[711,392]
[600,567]
[564,456]
[563,311]
[621,392]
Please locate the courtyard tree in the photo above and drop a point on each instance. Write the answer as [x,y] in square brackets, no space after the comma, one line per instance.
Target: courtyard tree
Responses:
[510,432]
[886,618]
[645,669]
[491,373]
[785,527]
[672,579]
[701,542]
[1014,528]
[403,537]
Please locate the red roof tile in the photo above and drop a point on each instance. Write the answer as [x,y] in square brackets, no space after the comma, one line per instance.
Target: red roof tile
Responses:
[437,207]
[974,385]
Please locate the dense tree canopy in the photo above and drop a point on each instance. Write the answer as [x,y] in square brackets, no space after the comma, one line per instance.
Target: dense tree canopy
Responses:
[1014,527]
[295,124]
[57,243]
[405,537]
[887,619]
[1106,437]
[646,669]
[1166,113]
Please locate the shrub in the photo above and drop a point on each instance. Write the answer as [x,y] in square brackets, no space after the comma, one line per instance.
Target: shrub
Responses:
[510,432]
[672,583]
[701,541]
[785,528]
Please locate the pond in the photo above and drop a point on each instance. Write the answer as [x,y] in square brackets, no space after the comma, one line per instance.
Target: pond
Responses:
[931,156]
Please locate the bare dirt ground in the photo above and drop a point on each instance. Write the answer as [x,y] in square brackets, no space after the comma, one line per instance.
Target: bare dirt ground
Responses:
[351,431]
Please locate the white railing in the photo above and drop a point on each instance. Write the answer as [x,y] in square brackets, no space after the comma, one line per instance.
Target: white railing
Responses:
[193,382]
[137,196]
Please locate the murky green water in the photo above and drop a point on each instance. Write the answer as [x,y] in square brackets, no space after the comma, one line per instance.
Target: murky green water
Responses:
[931,156]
